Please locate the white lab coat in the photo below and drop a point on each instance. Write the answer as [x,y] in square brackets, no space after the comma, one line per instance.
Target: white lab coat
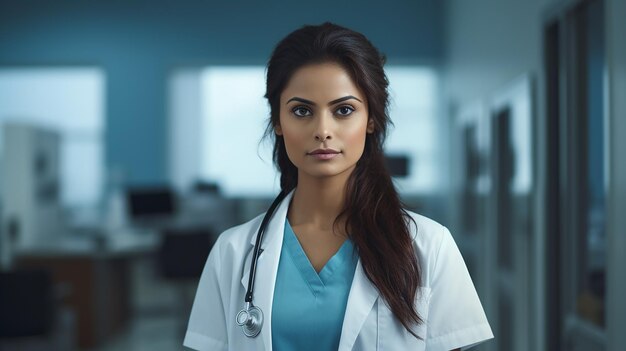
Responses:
[447,301]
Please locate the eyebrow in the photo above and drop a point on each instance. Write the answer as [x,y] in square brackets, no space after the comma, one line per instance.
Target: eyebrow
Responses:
[305,101]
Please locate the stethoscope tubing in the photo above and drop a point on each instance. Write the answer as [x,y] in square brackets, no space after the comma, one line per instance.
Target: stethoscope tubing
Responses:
[251,317]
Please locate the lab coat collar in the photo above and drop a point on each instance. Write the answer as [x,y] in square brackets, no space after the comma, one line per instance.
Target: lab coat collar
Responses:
[276,225]
[361,299]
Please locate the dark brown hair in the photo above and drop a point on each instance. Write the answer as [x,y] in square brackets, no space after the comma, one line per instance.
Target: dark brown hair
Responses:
[376,220]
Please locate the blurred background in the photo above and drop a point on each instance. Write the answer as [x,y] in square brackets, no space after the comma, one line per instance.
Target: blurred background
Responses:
[128,131]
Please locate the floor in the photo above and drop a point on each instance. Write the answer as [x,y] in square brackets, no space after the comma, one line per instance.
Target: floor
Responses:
[148,333]
[161,312]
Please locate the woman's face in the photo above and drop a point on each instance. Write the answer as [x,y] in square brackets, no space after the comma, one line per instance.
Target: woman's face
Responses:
[321,108]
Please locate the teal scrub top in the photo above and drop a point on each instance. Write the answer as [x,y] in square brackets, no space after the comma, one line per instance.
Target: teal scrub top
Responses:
[308,308]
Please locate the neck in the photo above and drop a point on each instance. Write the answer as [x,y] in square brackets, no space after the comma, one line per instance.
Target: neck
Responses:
[317,201]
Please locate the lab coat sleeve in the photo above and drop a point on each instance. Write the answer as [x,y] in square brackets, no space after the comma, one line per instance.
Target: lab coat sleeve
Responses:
[207,329]
[456,318]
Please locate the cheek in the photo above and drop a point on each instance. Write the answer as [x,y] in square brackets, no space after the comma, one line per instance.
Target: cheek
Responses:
[291,134]
[356,138]
[293,140]
[291,143]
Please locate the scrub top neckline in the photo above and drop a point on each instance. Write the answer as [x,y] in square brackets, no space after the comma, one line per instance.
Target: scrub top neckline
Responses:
[316,280]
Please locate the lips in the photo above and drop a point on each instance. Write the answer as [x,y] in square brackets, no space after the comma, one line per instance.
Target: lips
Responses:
[323,151]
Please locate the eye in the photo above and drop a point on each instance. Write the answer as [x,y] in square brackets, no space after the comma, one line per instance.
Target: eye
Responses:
[301,111]
[345,110]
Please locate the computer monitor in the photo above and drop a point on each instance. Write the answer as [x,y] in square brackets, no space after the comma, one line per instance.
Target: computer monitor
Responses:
[145,203]
[398,165]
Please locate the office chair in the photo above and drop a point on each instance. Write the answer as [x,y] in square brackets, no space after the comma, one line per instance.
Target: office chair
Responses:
[180,260]
[26,302]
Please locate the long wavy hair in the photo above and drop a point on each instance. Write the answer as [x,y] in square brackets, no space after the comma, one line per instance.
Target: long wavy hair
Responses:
[375,218]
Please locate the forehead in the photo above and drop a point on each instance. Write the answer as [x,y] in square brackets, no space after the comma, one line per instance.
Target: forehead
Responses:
[321,82]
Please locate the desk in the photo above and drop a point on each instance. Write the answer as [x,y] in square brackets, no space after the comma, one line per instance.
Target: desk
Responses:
[94,276]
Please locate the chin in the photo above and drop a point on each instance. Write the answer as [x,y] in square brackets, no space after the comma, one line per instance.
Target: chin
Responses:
[329,172]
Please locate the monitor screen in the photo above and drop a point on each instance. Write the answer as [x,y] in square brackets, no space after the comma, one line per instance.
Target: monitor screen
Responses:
[150,202]
[398,165]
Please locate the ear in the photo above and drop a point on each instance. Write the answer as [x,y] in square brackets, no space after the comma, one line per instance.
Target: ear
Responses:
[370,125]
[278,130]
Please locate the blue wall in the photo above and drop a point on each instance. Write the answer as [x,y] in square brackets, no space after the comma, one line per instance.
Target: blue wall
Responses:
[138,43]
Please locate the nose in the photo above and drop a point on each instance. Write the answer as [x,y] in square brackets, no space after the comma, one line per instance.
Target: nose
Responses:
[322,129]
[321,137]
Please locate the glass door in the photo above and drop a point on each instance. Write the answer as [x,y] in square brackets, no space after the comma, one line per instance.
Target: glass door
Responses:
[509,215]
[577,169]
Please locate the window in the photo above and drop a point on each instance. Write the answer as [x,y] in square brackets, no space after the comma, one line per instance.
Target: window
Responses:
[413,110]
[71,101]
[234,115]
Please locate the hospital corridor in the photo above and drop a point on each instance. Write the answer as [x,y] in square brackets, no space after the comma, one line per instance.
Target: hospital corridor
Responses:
[135,135]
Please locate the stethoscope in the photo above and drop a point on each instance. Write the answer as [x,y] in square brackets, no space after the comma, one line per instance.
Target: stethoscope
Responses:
[250,319]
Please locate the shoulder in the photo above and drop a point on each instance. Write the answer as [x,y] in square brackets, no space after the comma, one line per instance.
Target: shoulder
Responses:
[429,236]
[231,240]
[454,312]
[425,231]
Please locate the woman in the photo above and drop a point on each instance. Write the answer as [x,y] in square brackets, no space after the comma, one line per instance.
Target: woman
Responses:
[342,265]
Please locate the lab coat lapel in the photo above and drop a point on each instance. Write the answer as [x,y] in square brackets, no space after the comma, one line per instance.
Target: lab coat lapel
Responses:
[361,300]
[267,267]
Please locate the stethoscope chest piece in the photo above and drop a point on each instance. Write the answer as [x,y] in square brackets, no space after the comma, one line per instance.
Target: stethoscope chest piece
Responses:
[250,320]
